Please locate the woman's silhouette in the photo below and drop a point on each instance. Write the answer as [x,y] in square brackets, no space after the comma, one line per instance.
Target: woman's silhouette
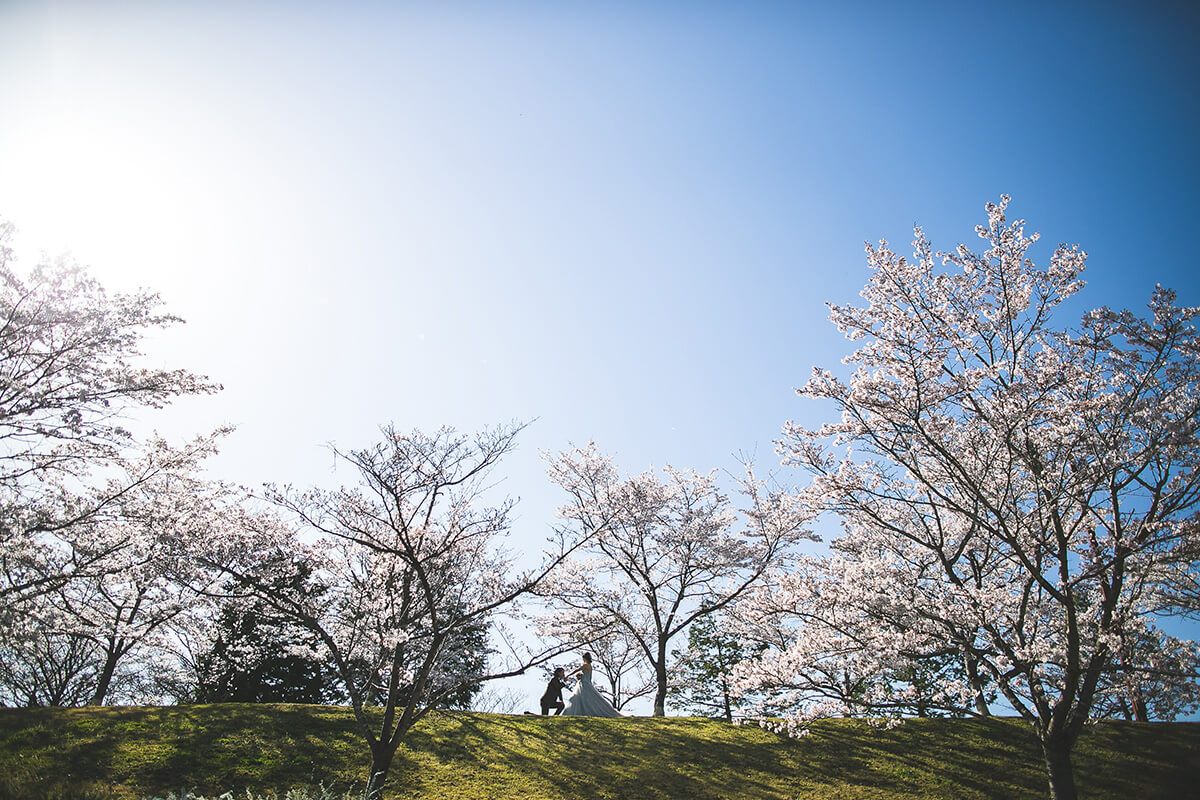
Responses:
[587,700]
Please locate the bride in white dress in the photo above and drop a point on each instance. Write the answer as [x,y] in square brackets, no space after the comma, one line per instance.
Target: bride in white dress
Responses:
[587,700]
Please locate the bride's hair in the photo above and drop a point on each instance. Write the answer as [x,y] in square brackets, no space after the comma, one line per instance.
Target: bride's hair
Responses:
[587,657]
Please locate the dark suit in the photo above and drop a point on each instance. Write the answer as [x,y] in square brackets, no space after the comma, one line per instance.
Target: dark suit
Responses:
[553,696]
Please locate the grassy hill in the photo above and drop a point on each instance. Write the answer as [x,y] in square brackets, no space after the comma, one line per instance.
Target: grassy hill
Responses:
[131,753]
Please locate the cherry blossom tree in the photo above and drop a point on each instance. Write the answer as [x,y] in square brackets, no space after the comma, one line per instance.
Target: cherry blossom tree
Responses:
[141,578]
[40,665]
[160,504]
[69,376]
[401,568]
[662,553]
[1028,487]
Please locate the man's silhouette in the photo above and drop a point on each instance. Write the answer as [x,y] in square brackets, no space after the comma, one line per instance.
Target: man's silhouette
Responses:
[553,696]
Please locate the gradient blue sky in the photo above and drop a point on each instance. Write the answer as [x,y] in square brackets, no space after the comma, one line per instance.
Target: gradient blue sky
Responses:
[621,219]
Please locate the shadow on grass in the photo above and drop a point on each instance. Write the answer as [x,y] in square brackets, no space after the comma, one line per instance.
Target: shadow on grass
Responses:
[126,752]
[702,759]
[698,759]
[130,753]
[1158,761]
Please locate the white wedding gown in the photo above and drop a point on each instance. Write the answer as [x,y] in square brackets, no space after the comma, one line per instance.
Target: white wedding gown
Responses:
[587,700]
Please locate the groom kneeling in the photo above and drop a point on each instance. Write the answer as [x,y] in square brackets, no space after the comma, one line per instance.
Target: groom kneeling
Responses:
[553,696]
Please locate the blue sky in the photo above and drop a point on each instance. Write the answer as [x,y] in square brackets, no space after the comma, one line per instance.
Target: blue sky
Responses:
[620,219]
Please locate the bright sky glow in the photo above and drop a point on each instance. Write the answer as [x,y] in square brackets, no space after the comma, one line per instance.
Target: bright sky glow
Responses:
[622,220]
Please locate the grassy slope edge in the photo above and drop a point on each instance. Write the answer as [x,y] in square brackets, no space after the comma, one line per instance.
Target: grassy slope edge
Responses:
[118,753]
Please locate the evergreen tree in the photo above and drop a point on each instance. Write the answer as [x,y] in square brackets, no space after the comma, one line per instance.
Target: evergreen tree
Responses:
[702,670]
[257,656]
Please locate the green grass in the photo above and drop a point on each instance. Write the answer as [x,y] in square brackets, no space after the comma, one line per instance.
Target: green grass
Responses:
[132,753]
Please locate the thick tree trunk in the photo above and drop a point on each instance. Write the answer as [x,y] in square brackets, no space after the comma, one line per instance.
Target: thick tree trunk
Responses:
[105,679]
[381,762]
[660,694]
[1057,753]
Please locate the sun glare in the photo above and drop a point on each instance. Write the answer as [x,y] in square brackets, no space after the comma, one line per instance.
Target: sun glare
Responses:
[107,189]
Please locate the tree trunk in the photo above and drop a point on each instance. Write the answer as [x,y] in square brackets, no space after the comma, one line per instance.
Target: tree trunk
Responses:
[660,694]
[981,705]
[1140,712]
[112,654]
[1057,753]
[381,762]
